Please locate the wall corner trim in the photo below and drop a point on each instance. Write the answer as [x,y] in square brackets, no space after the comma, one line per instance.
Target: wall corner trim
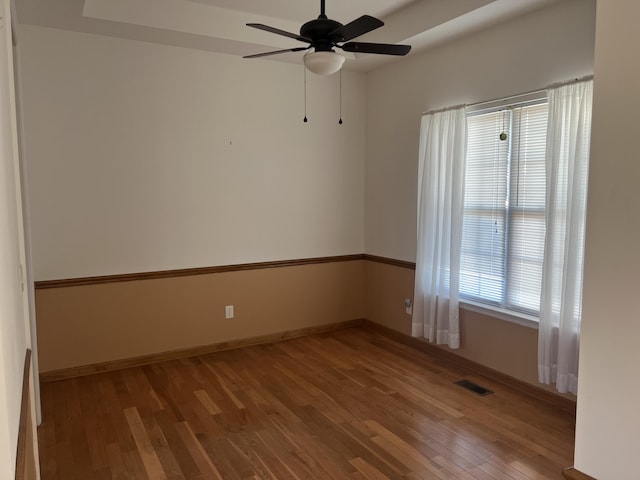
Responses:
[390,261]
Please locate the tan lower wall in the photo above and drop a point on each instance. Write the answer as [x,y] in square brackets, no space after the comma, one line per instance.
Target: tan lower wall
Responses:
[83,325]
[503,346]
[386,287]
[88,324]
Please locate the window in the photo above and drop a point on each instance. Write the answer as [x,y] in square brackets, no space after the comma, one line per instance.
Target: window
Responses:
[503,230]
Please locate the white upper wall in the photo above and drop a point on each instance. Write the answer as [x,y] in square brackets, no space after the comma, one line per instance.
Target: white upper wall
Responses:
[145,157]
[525,54]
[608,420]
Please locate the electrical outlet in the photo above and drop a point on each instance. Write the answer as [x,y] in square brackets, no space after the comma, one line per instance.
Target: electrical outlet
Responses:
[408,306]
[228,311]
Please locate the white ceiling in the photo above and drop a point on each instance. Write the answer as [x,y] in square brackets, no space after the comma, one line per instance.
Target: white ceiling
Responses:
[219,25]
[303,10]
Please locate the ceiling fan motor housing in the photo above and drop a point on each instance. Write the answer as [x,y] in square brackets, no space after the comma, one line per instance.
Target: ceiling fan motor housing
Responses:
[319,32]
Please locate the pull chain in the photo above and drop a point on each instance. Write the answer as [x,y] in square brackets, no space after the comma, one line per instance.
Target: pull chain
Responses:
[340,121]
[305,93]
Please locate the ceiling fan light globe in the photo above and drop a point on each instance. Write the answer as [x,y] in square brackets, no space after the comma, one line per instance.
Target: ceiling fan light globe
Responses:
[323,63]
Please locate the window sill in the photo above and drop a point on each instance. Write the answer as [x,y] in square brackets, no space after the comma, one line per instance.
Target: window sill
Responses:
[502,314]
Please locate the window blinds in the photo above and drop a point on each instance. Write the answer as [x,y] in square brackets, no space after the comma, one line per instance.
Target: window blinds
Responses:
[504,208]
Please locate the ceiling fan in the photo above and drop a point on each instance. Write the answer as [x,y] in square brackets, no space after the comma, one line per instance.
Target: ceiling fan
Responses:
[324,34]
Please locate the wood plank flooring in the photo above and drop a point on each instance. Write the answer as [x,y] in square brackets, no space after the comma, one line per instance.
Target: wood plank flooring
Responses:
[352,404]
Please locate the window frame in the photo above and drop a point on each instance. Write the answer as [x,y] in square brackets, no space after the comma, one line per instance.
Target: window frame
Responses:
[528,318]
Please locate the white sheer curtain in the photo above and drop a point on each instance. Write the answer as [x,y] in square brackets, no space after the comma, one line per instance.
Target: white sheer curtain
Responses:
[567,163]
[443,142]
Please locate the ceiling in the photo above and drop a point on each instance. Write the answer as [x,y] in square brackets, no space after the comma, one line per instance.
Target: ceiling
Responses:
[219,25]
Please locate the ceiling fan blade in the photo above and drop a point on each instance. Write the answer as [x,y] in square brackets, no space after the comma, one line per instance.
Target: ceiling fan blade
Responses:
[277,31]
[359,26]
[379,48]
[265,54]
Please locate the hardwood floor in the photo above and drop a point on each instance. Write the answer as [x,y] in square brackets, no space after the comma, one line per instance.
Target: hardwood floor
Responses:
[351,404]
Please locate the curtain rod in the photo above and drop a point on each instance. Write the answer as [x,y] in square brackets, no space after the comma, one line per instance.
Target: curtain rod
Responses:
[511,97]
[445,109]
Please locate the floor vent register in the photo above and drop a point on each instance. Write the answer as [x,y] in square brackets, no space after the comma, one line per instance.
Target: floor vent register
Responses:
[475,388]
